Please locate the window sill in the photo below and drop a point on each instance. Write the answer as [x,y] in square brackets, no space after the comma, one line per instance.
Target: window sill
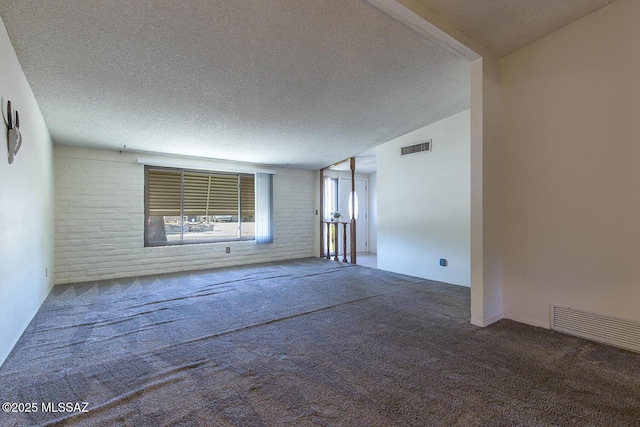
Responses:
[192,243]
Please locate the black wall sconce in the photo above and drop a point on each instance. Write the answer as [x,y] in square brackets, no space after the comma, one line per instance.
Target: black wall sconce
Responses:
[14,139]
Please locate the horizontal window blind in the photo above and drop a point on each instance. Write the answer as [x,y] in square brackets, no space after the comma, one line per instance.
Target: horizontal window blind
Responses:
[203,194]
[248,196]
[209,194]
[164,192]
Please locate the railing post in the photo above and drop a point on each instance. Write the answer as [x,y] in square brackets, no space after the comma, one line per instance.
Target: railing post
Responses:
[344,247]
[335,241]
[352,165]
[321,212]
[328,245]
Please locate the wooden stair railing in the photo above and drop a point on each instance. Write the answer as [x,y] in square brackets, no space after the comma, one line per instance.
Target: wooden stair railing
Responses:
[334,240]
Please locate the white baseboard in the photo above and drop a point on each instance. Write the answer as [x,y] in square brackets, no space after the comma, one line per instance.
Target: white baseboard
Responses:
[493,319]
[489,321]
[526,321]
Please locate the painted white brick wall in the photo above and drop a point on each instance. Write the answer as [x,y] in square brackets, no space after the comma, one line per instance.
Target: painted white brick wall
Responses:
[99,221]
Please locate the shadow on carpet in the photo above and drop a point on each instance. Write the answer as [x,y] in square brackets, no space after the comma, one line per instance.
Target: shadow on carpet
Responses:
[302,343]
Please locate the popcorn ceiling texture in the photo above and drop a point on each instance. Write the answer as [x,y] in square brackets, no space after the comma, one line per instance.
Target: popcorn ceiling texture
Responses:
[278,82]
[504,26]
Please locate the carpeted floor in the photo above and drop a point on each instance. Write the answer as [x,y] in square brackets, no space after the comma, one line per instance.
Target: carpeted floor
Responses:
[303,343]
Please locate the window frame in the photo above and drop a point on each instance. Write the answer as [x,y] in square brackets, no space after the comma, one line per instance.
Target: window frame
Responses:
[182,171]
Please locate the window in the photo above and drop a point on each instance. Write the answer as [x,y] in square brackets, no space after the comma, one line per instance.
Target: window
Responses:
[185,206]
[331,206]
[330,197]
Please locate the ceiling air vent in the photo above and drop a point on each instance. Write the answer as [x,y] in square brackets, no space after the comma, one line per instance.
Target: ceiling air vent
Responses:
[417,148]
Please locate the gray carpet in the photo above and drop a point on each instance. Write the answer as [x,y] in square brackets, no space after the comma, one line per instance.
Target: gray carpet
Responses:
[303,343]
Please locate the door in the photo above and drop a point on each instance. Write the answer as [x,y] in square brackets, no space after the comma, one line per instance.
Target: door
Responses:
[362,218]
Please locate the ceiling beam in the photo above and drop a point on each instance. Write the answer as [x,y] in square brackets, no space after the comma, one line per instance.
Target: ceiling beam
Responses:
[435,28]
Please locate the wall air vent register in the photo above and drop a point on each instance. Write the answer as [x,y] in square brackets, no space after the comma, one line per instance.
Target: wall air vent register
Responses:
[416,148]
[597,327]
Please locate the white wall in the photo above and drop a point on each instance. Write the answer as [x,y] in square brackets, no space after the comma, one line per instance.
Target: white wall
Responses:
[100,221]
[486,191]
[571,157]
[486,143]
[424,203]
[26,206]
[373,212]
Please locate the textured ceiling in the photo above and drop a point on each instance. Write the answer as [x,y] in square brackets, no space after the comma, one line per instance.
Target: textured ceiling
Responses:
[504,26]
[281,82]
